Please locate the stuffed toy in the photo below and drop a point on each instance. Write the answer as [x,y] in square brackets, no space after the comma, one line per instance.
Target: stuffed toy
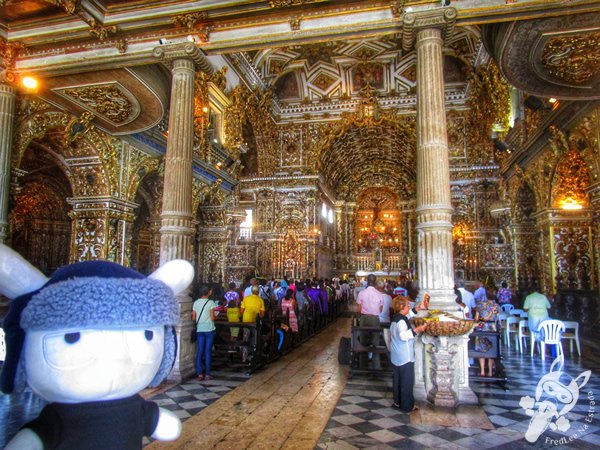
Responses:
[87,340]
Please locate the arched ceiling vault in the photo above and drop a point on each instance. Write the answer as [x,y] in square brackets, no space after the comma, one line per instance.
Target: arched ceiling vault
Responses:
[371,156]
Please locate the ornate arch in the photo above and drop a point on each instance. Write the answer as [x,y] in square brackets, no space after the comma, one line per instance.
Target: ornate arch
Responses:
[370,148]
[38,120]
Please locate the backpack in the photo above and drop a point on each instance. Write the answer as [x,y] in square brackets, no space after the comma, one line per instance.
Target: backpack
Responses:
[265,293]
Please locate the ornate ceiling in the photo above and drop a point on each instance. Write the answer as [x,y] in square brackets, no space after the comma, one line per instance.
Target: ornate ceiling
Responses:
[327,78]
[317,57]
[564,55]
[123,101]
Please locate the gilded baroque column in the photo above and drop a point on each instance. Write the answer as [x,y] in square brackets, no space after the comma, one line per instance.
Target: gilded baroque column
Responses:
[177,230]
[8,95]
[441,363]
[176,216]
[434,209]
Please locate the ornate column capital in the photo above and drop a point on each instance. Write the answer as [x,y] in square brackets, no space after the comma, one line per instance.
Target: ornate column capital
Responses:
[183,50]
[440,18]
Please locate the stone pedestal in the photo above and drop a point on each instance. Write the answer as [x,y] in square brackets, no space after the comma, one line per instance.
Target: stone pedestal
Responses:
[441,371]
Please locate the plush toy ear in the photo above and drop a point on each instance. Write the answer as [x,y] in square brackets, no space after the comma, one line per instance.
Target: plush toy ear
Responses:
[17,276]
[177,274]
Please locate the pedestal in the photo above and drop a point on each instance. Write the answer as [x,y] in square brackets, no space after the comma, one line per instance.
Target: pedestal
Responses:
[442,371]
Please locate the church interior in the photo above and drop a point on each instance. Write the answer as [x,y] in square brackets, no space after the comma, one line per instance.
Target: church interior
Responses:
[308,138]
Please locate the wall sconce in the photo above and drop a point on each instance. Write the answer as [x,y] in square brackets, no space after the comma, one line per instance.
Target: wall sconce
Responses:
[30,83]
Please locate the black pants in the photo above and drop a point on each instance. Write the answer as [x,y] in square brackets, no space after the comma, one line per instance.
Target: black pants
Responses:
[402,385]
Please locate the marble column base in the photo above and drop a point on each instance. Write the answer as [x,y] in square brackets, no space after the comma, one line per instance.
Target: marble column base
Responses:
[185,360]
[442,371]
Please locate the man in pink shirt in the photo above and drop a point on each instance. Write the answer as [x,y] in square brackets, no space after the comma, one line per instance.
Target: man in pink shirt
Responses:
[370,305]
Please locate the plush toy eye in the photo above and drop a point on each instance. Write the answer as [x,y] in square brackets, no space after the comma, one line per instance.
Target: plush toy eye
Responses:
[68,350]
[71,338]
[145,345]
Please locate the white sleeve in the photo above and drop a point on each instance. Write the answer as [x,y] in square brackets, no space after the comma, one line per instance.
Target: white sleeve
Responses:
[403,332]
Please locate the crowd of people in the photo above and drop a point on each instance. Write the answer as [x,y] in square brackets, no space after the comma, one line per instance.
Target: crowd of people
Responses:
[289,303]
[286,302]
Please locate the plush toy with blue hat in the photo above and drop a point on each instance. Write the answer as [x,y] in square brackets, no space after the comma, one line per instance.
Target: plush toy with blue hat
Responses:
[87,340]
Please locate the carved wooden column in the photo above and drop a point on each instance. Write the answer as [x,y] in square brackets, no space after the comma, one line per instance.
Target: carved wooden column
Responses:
[177,229]
[340,255]
[8,95]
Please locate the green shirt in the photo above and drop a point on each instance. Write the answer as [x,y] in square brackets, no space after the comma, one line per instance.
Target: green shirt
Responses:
[204,322]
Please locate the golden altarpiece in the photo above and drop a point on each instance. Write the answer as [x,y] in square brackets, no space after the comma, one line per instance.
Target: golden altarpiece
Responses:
[154,130]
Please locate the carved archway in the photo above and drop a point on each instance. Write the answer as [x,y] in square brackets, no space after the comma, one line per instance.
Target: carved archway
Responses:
[145,236]
[40,224]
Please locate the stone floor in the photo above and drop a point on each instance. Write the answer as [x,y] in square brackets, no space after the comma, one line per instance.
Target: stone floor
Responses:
[305,401]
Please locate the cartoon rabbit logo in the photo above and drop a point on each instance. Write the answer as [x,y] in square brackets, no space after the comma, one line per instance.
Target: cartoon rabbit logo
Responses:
[556,394]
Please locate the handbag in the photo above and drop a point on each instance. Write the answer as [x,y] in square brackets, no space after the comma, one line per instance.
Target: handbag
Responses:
[194,336]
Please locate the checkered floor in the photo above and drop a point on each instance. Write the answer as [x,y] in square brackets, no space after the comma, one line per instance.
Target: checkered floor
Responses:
[363,417]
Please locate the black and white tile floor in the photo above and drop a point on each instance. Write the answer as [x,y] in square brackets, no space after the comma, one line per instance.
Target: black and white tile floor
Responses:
[363,417]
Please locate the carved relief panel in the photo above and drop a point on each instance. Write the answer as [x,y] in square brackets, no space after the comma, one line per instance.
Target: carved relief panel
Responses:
[573,256]
[291,147]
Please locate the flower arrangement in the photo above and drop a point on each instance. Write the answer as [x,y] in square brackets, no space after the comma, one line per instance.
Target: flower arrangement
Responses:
[441,323]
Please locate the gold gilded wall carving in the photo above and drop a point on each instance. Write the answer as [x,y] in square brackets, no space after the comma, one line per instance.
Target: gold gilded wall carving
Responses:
[145,232]
[265,131]
[457,135]
[291,147]
[235,117]
[240,262]
[33,122]
[107,100]
[489,108]
[573,257]
[201,116]
[78,127]
[9,51]
[253,109]
[571,180]
[573,58]
[40,225]
[139,168]
[211,253]
[585,137]
[102,228]
[90,238]
[97,157]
